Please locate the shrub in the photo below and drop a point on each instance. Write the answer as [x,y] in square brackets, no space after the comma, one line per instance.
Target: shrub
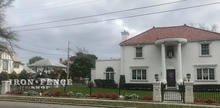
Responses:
[127,97]
[100,95]
[199,100]
[55,93]
[79,95]
[16,92]
[70,93]
[100,83]
[32,93]
[108,95]
[93,95]
[148,98]
[65,94]
[134,96]
[210,100]
[86,95]
[114,96]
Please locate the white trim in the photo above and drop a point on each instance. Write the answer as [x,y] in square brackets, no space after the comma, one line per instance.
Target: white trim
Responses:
[170,40]
[214,66]
[138,67]
[200,48]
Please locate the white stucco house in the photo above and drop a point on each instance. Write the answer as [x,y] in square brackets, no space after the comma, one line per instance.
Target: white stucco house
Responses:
[170,52]
[9,60]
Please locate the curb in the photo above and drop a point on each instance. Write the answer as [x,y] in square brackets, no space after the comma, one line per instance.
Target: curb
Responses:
[37,99]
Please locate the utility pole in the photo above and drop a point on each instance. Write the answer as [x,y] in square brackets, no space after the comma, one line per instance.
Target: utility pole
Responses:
[68,64]
[68,61]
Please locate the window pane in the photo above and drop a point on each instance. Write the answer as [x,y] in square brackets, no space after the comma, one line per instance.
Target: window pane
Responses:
[139,74]
[144,74]
[211,74]
[170,51]
[205,49]
[138,51]
[199,74]
[205,74]
[134,74]
[107,76]
[5,64]
[112,76]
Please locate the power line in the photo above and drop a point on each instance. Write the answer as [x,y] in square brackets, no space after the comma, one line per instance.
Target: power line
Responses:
[125,17]
[32,51]
[107,13]
[72,3]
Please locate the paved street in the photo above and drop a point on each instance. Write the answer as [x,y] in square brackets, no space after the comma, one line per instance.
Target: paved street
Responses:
[6,104]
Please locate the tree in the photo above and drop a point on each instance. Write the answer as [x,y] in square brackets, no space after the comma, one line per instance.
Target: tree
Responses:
[13,75]
[4,76]
[23,75]
[82,64]
[34,59]
[212,27]
[5,32]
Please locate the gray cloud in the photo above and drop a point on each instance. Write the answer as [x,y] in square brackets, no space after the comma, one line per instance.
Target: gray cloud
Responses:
[102,38]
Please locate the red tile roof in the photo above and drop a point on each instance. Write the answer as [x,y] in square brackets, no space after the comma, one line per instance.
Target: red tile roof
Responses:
[187,32]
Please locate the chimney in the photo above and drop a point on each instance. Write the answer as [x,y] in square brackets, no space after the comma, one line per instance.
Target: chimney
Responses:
[124,35]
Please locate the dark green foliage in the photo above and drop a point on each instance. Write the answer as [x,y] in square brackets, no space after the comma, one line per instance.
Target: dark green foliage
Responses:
[100,83]
[82,65]
[137,86]
[13,75]
[23,75]
[4,76]
[34,59]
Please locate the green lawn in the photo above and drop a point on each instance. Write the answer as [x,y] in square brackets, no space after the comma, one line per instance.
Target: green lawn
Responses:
[85,90]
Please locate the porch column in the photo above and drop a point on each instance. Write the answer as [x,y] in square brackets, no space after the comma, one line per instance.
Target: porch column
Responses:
[179,61]
[163,64]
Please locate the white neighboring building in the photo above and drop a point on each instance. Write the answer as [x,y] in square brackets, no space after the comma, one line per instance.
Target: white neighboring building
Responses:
[9,61]
[170,52]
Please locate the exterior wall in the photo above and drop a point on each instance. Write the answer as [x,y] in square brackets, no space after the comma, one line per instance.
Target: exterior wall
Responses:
[18,70]
[6,56]
[102,65]
[191,57]
[151,59]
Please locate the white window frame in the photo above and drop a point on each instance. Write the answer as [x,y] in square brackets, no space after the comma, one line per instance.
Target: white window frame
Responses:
[139,68]
[3,64]
[200,49]
[141,51]
[109,74]
[202,67]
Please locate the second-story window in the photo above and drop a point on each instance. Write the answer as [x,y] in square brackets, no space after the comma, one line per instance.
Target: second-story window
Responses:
[139,51]
[5,65]
[205,49]
[170,51]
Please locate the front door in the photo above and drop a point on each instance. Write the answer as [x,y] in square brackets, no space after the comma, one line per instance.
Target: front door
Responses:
[171,78]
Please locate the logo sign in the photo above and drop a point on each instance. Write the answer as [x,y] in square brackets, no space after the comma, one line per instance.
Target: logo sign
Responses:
[40,82]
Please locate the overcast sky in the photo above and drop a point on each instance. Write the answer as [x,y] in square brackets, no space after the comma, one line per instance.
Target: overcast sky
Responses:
[103,38]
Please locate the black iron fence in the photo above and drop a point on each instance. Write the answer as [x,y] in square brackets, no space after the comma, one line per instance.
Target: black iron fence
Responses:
[209,94]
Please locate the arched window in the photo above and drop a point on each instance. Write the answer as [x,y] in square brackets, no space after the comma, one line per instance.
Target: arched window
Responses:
[109,73]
